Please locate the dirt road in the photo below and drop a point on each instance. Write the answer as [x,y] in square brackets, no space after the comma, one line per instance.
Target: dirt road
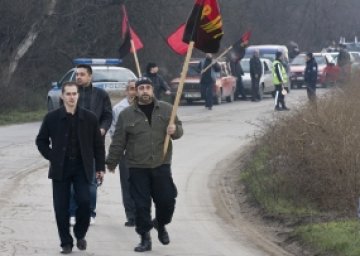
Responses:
[202,226]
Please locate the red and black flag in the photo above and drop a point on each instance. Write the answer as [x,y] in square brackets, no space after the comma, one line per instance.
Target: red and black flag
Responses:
[128,34]
[175,41]
[204,26]
[238,48]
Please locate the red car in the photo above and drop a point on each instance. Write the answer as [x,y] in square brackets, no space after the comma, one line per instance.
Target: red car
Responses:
[224,89]
[328,72]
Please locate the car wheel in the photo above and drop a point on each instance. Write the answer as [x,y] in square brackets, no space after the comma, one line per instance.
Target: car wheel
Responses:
[231,97]
[218,99]
[189,101]
[50,104]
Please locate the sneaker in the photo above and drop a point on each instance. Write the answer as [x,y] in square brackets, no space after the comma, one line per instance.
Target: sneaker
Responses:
[92,220]
[72,221]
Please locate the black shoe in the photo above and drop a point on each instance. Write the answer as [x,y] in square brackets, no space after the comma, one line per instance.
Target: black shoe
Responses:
[285,108]
[162,233]
[145,244]
[209,108]
[278,108]
[67,249]
[81,244]
[130,223]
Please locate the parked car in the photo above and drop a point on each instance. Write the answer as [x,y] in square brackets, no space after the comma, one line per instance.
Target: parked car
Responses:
[268,51]
[106,75]
[327,70]
[266,85]
[224,89]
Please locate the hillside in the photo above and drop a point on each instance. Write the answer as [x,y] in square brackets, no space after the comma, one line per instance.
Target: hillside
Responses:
[38,38]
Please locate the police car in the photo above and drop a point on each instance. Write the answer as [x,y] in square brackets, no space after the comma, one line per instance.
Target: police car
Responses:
[106,75]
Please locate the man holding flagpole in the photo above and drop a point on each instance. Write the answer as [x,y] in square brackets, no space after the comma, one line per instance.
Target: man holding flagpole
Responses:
[140,132]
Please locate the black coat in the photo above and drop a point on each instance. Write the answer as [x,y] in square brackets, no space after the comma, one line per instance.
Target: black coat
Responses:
[100,105]
[311,71]
[255,67]
[53,131]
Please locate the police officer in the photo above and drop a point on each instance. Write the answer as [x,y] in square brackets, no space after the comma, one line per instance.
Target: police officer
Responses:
[310,77]
[279,79]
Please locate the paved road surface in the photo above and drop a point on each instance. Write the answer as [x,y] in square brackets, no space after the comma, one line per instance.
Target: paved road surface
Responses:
[27,224]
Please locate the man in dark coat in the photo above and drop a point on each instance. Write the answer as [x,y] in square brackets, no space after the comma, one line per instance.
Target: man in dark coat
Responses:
[255,74]
[310,76]
[208,78]
[160,86]
[70,139]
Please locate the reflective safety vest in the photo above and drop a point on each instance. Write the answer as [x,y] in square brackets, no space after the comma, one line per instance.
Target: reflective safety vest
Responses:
[283,73]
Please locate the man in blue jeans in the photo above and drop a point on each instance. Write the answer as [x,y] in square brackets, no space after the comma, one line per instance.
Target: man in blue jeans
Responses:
[97,101]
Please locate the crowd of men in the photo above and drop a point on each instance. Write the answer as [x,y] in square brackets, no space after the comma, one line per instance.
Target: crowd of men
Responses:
[72,139]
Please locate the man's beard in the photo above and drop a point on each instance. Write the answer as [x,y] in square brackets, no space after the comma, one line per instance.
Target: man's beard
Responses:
[145,99]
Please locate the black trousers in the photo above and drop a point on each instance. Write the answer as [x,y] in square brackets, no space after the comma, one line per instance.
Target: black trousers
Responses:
[74,174]
[152,184]
[240,91]
[128,201]
[311,91]
[279,97]
[255,89]
[209,95]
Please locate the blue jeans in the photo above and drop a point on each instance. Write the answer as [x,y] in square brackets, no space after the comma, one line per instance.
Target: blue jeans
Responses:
[93,195]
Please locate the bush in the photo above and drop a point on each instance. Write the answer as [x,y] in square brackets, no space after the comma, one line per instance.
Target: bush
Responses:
[312,157]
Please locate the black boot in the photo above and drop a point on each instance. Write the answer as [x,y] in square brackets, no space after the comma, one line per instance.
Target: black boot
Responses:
[145,244]
[163,235]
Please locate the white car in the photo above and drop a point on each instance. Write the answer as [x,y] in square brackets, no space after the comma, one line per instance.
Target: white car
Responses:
[106,75]
[266,85]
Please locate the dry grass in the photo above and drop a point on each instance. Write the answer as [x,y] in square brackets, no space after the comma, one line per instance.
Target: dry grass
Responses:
[313,156]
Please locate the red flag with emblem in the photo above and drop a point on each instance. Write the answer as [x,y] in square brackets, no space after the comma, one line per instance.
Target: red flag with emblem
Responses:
[238,48]
[127,34]
[204,26]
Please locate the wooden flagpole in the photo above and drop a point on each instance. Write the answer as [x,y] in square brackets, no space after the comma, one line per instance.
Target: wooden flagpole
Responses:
[214,61]
[179,93]
[135,57]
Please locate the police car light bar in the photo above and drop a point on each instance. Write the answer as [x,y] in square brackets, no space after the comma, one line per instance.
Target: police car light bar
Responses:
[90,61]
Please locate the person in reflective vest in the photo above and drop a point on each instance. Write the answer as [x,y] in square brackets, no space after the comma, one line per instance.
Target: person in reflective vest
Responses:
[280,78]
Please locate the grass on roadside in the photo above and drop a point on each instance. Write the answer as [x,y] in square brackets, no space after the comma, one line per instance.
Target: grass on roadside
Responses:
[17,116]
[337,237]
[264,188]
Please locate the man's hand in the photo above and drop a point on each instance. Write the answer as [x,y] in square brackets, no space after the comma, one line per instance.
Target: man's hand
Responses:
[171,129]
[100,177]
[102,131]
[110,170]
[168,92]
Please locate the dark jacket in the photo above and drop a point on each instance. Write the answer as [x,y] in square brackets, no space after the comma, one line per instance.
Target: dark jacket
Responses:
[255,68]
[209,76]
[236,69]
[159,84]
[100,105]
[311,71]
[143,143]
[53,132]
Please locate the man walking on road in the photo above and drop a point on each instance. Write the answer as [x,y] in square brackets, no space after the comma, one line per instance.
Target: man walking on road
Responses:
[255,74]
[128,202]
[208,79]
[280,78]
[310,77]
[141,130]
[97,101]
[70,139]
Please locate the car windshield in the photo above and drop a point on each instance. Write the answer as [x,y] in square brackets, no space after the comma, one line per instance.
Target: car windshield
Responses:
[298,60]
[245,65]
[112,75]
[193,70]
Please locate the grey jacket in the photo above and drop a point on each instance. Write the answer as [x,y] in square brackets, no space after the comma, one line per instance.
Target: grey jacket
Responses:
[143,143]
